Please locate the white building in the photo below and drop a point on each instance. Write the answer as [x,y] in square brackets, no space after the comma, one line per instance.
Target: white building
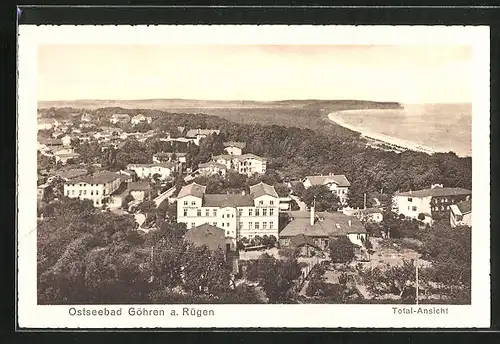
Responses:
[143,171]
[140,118]
[461,214]
[66,140]
[234,148]
[47,123]
[245,164]
[120,118]
[174,157]
[240,215]
[434,203]
[211,168]
[196,135]
[96,187]
[337,184]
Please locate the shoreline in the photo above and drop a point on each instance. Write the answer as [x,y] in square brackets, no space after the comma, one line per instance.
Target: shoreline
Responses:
[381,138]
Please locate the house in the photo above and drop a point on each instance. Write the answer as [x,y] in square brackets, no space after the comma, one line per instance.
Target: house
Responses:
[435,201]
[40,192]
[245,164]
[47,123]
[249,164]
[234,148]
[174,157]
[140,118]
[337,184]
[66,140]
[321,228]
[163,169]
[120,118]
[53,144]
[128,175]
[65,155]
[372,215]
[240,215]
[461,214]
[211,168]
[214,238]
[97,187]
[139,190]
[70,174]
[196,135]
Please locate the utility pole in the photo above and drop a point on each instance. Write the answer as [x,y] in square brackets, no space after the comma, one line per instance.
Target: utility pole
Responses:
[152,260]
[364,200]
[416,280]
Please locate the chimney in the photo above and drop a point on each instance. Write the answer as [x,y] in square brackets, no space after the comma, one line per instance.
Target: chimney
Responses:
[243,193]
[349,223]
[312,215]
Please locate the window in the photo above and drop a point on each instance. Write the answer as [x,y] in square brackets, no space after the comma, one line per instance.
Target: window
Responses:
[193,202]
[241,224]
[185,202]
[240,212]
[80,193]
[264,212]
[227,224]
[410,199]
[85,192]
[97,192]
[91,192]
[193,224]
[214,223]
[271,225]
[207,212]
[250,212]
[67,193]
[185,212]
[222,215]
[264,225]
[271,212]
[232,215]
[222,224]
[257,225]
[198,212]
[414,208]
[250,224]
[73,192]
[261,202]
[271,202]
[257,212]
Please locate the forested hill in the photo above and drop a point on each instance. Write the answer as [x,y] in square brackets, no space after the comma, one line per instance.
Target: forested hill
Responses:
[304,114]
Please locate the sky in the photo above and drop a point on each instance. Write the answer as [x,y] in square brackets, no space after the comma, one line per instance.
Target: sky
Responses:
[406,74]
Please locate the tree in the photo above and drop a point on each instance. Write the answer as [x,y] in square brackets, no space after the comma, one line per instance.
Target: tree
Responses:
[126,200]
[322,197]
[341,250]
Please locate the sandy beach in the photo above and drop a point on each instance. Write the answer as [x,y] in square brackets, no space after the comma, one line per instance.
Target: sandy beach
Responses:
[335,117]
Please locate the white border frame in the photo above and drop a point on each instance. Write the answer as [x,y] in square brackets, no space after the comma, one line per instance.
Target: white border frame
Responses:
[31,315]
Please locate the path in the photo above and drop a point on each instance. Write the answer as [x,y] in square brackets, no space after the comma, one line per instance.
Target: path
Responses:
[302,205]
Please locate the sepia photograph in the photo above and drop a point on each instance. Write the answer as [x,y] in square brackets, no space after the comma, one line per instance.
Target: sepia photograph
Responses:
[275,173]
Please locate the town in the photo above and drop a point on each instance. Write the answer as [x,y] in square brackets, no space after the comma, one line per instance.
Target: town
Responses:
[136,205]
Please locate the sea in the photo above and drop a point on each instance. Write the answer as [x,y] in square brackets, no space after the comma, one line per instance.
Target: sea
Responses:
[441,127]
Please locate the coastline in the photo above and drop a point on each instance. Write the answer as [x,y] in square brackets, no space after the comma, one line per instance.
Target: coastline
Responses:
[381,138]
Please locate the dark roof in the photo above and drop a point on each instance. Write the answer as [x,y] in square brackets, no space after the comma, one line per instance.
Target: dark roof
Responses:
[231,200]
[192,189]
[333,224]
[194,132]
[465,207]
[53,142]
[370,211]
[240,145]
[212,164]
[100,177]
[138,186]
[338,179]
[302,240]
[167,164]
[121,190]
[208,235]
[72,173]
[435,192]
[262,189]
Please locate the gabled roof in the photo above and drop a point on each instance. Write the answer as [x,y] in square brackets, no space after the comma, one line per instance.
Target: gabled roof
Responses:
[262,189]
[205,234]
[195,132]
[465,207]
[332,224]
[72,173]
[138,186]
[302,240]
[240,145]
[100,177]
[212,164]
[435,192]
[338,179]
[192,189]
[249,156]
[223,200]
